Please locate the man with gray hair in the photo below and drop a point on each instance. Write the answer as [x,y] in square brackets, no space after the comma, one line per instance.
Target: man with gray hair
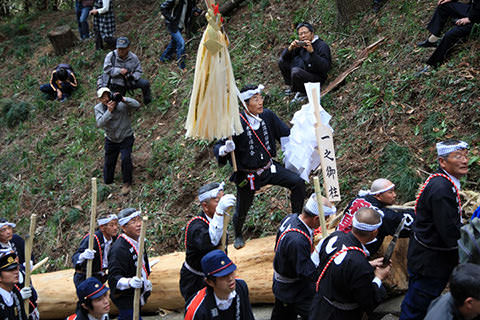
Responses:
[433,250]
[349,284]
[381,194]
[293,268]
[203,234]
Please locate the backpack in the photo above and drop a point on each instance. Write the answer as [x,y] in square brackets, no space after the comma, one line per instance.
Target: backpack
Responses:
[103,79]
[469,242]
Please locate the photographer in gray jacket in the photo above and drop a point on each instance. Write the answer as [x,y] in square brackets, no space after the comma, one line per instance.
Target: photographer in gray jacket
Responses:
[112,114]
[124,71]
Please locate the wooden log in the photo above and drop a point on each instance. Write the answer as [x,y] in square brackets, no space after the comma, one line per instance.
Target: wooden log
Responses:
[254,263]
[62,38]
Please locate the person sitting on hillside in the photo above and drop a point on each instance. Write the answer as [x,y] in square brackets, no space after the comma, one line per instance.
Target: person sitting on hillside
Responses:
[381,194]
[124,71]
[465,15]
[177,16]
[103,23]
[463,300]
[305,60]
[93,302]
[62,83]
[103,239]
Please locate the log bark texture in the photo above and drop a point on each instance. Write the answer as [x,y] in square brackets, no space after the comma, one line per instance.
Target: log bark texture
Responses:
[57,298]
[62,38]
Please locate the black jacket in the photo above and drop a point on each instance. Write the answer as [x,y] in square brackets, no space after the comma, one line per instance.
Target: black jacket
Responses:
[474,12]
[432,250]
[172,11]
[16,311]
[318,62]
[122,264]
[99,252]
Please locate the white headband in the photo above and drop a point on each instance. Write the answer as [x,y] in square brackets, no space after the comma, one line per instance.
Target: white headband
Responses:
[250,93]
[362,193]
[312,207]
[124,221]
[365,226]
[207,195]
[443,149]
[13,225]
[106,220]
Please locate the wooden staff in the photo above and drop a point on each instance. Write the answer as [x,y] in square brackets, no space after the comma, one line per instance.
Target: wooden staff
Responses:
[28,254]
[136,295]
[39,264]
[226,221]
[234,161]
[92,225]
[321,214]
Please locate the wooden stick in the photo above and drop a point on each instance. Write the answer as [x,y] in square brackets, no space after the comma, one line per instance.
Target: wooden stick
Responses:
[39,264]
[28,254]
[318,123]
[92,225]
[136,295]
[234,160]
[321,214]
[226,220]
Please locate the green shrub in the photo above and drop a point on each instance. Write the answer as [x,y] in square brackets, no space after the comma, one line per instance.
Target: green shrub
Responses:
[14,112]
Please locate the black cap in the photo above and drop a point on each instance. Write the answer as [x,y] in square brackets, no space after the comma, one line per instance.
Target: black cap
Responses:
[8,260]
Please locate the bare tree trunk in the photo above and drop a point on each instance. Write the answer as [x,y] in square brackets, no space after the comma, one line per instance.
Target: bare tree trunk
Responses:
[62,38]
[348,9]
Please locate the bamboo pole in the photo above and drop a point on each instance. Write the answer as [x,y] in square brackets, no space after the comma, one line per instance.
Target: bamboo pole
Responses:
[28,254]
[321,214]
[92,225]
[223,240]
[234,160]
[136,295]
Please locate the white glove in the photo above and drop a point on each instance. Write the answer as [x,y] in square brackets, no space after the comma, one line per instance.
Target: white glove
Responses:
[35,315]
[228,147]
[148,285]
[26,293]
[31,265]
[226,202]
[86,255]
[135,282]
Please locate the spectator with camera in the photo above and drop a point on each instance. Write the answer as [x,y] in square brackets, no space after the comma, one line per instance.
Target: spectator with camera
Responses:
[305,60]
[112,114]
[123,71]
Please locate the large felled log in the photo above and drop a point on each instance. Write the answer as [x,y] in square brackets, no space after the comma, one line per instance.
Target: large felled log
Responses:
[57,294]
[62,38]
[398,279]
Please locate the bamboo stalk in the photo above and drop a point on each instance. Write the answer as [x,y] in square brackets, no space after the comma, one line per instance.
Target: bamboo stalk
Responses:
[92,225]
[136,295]
[28,254]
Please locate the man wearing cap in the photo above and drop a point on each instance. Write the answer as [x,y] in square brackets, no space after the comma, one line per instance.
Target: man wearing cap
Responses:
[381,195]
[255,150]
[349,284]
[125,72]
[224,297]
[433,251]
[293,269]
[122,265]
[93,302]
[103,240]
[114,118]
[203,234]
[305,60]
[11,299]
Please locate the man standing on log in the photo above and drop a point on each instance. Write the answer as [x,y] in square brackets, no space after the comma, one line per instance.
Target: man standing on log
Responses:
[465,15]
[125,72]
[11,299]
[433,249]
[122,265]
[381,194]
[305,60]
[224,297]
[349,284]
[113,115]
[293,269]
[255,149]
[202,235]
[103,239]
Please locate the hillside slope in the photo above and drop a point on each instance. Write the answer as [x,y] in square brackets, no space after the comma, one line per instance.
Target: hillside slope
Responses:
[386,120]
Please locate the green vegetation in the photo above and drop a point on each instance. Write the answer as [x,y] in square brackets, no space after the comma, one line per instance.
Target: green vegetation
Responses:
[386,120]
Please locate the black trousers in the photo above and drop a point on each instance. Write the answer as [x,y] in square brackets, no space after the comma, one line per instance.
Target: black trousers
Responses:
[289,311]
[190,283]
[443,13]
[283,177]
[112,150]
[296,77]
[139,84]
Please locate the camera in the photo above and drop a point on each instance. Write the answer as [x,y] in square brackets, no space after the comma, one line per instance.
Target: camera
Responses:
[117,96]
[301,43]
